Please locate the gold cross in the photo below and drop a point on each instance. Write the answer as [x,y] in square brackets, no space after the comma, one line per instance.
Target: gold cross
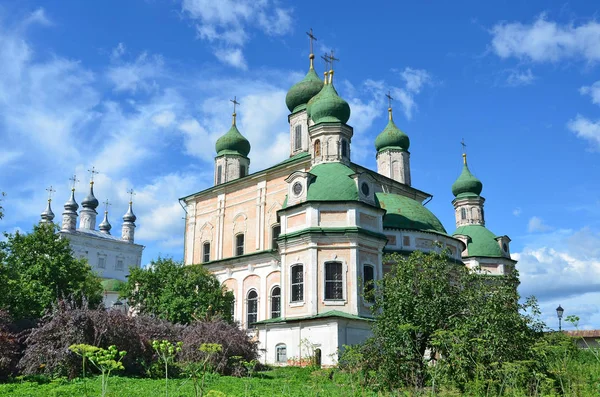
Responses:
[131,194]
[235,102]
[92,173]
[74,181]
[390,99]
[311,37]
[50,190]
[106,204]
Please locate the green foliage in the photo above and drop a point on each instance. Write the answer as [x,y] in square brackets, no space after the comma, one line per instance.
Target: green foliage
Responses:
[177,293]
[166,352]
[38,268]
[197,370]
[2,194]
[105,360]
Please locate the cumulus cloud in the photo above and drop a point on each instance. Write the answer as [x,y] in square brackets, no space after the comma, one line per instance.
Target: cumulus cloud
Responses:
[593,91]
[226,24]
[536,224]
[586,129]
[414,81]
[547,41]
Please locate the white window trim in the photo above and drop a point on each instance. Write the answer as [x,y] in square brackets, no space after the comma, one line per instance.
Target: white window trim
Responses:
[270,303]
[335,302]
[209,250]
[290,301]
[246,306]
[235,243]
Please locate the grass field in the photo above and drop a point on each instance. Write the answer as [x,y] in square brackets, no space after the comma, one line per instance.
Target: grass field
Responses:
[277,382]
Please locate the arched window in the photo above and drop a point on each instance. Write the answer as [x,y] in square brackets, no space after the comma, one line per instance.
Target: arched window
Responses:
[219,174]
[334,284]
[297,283]
[239,244]
[252,307]
[281,353]
[344,148]
[317,148]
[275,231]
[206,252]
[369,283]
[463,213]
[298,137]
[276,302]
[242,171]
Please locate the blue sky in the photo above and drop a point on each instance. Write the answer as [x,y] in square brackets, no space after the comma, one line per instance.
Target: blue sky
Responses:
[141,89]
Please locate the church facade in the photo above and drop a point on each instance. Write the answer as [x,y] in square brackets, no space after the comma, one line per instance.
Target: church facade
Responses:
[301,242]
[111,257]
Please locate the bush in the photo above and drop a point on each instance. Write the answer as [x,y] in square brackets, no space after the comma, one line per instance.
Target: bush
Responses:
[9,346]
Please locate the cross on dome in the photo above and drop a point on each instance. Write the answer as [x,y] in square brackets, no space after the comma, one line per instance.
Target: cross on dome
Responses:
[74,181]
[50,190]
[93,172]
[106,204]
[131,194]
[235,103]
[311,37]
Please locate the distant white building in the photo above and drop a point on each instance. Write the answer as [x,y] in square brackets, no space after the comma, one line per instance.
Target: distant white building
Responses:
[111,257]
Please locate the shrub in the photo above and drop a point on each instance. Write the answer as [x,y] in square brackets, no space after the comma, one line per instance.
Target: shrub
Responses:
[9,346]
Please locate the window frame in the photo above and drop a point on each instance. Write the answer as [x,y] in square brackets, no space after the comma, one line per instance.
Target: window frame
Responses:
[341,281]
[120,264]
[237,245]
[298,137]
[274,244]
[463,213]
[272,305]
[248,313]
[103,259]
[300,283]
[219,174]
[371,286]
[317,148]
[278,347]
[204,253]
[344,148]
[242,170]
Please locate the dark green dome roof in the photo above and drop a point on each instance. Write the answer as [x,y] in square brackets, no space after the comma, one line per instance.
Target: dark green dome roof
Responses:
[481,242]
[301,92]
[233,141]
[392,137]
[328,106]
[466,184]
[406,213]
[332,182]
[113,285]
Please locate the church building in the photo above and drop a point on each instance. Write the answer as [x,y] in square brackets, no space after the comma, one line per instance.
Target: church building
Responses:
[300,242]
[110,256]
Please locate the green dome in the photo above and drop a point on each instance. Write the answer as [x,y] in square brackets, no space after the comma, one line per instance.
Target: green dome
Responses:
[406,213]
[332,183]
[481,242]
[327,106]
[301,92]
[233,141]
[466,184]
[113,285]
[392,137]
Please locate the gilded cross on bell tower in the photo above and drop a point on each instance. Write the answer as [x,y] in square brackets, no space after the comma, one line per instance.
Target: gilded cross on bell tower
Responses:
[92,172]
[131,194]
[74,181]
[50,191]
[311,38]
[235,103]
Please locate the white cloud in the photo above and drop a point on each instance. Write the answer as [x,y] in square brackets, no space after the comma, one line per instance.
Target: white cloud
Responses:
[37,17]
[164,118]
[9,156]
[118,52]
[226,24]
[518,78]
[547,41]
[586,129]
[593,91]
[536,224]
[140,74]
[414,81]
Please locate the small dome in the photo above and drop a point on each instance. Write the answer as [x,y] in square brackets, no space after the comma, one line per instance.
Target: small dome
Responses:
[392,137]
[233,141]
[333,182]
[129,215]
[466,184]
[105,226]
[90,201]
[48,215]
[71,205]
[328,106]
[481,241]
[406,213]
[301,92]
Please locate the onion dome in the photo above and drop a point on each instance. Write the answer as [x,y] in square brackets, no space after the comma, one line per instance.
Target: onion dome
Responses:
[301,92]
[48,215]
[105,226]
[480,242]
[405,213]
[71,205]
[328,106]
[392,137]
[233,142]
[466,184]
[90,201]
[129,215]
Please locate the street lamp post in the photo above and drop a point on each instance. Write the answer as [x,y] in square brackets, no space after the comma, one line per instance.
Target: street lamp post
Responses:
[559,313]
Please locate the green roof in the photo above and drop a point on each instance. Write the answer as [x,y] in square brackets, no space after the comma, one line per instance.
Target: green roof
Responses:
[332,183]
[392,137]
[406,213]
[466,184]
[481,242]
[331,313]
[112,285]
[328,106]
[232,141]
[301,92]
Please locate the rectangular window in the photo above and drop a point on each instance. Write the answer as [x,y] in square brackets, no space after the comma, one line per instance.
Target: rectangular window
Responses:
[281,354]
[275,231]
[369,283]
[239,244]
[298,138]
[219,174]
[119,265]
[101,262]
[242,171]
[297,283]
[206,252]
[334,285]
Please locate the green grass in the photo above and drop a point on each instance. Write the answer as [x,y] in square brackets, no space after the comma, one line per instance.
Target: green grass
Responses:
[277,382]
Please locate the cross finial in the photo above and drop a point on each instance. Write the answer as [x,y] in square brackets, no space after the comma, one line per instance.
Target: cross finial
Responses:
[131,194]
[106,204]
[92,172]
[464,146]
[311,37]
[390,99]
[325,57]
[50,190]
[235,103]
[74,181]
[332,59]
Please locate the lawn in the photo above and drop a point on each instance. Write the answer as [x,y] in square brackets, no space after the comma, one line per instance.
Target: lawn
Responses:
[277,382]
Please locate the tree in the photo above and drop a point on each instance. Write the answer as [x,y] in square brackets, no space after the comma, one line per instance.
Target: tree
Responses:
[431,309]
[2,194]
[38,268]
[178,293]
